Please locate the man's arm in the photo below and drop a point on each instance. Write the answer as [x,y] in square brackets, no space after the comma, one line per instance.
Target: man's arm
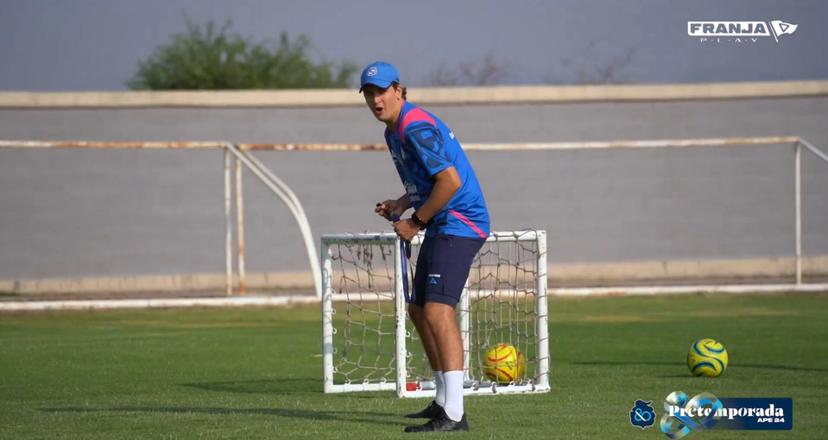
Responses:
[403,203]
[391,209]
[446,184]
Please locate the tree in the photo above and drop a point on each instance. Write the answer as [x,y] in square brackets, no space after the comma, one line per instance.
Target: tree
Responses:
[206,58]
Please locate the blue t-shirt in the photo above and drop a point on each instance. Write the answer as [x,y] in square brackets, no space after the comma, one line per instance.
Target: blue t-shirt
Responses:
[421,147]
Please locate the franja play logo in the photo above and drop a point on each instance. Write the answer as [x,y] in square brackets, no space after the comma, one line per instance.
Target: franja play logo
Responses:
[738,31]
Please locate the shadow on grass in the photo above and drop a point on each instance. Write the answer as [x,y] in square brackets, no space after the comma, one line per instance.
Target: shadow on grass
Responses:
[674,364]
[344,416]
[261,386]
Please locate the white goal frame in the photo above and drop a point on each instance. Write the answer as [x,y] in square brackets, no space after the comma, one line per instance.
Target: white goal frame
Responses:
[329,296]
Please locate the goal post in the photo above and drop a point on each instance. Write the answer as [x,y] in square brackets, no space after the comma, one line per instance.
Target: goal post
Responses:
[369,344]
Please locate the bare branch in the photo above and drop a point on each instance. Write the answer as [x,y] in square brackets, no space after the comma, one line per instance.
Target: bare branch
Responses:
[488,71]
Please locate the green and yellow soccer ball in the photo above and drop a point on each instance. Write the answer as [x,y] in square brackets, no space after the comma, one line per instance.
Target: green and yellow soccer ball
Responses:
[707,357]
[504,364]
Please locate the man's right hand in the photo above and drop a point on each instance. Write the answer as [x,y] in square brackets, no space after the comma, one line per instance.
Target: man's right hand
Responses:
[390,209]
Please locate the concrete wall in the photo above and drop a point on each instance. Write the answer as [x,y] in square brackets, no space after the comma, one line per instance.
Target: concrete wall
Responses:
[73,213]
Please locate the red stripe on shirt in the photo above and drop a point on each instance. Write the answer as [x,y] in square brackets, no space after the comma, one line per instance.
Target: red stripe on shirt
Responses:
[468,223]
[414,115]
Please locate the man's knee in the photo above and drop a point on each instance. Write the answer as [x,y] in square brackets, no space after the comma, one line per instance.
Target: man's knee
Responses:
[438,313]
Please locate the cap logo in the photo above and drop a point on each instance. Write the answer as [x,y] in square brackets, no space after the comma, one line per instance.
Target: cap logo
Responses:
[372,71]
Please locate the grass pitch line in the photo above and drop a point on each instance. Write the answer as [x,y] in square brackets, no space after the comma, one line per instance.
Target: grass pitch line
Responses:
[150,303]
[687,290]
[276,301]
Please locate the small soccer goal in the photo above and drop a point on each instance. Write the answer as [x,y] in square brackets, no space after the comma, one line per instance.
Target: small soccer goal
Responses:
[369,344]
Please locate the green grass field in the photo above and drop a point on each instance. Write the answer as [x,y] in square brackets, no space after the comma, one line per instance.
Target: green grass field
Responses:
[256,373]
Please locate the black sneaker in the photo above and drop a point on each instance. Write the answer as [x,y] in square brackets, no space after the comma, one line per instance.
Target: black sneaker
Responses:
[440,424]
[432,411]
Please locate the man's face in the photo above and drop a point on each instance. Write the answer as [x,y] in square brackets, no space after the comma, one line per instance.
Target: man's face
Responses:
[385,104]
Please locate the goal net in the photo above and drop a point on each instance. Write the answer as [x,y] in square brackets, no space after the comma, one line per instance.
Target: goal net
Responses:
[369,344]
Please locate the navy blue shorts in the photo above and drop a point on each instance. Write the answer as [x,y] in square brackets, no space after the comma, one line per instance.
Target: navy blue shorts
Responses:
[442,268]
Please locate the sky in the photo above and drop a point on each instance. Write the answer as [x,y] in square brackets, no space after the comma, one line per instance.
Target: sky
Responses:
[53,45]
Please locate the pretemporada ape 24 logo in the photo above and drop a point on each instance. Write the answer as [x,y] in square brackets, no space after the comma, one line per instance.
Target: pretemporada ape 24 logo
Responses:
[738,31]
[706,411]
[683,415]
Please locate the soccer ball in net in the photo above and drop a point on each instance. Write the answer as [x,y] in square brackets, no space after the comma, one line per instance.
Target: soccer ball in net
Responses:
[521,366]
[503,363]
[707,357]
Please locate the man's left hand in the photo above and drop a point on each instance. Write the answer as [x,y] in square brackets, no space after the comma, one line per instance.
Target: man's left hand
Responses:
[406,229]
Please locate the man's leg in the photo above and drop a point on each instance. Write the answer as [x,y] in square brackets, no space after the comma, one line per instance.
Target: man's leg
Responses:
[445,334]
[443,325]
[443,276]
[417,314]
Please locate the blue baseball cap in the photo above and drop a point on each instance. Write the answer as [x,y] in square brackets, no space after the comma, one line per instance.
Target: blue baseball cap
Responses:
[380,74]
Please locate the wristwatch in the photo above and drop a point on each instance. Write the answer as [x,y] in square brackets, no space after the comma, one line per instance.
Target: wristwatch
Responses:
[419,223]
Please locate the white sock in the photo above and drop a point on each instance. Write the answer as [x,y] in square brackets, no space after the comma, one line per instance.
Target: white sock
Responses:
[440,383]
[454,394]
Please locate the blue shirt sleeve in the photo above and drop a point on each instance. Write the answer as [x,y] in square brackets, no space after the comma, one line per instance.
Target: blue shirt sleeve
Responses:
[428,144]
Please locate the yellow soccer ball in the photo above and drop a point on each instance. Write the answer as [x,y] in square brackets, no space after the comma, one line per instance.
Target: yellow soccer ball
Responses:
[521,366]
[707,357]
[501,363]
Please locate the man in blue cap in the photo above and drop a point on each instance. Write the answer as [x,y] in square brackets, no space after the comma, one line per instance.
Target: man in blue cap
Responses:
[441,187]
